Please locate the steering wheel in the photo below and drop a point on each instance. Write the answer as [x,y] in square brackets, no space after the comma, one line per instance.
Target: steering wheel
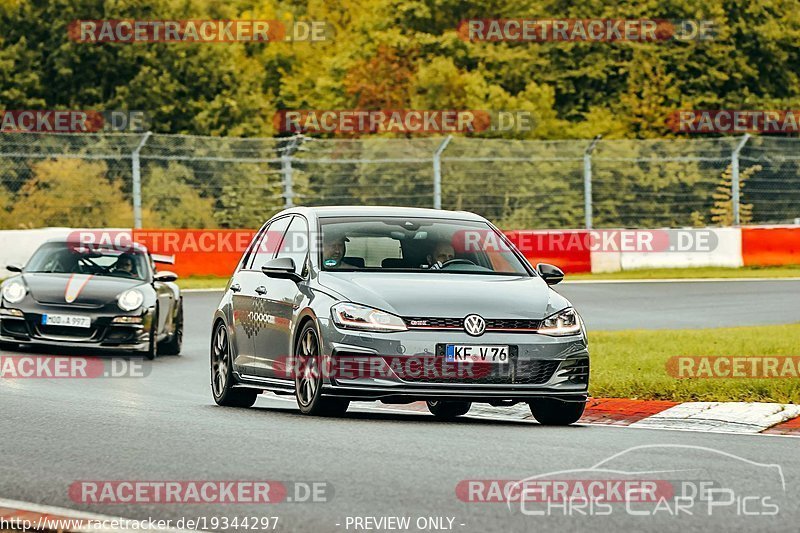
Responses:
[457,262]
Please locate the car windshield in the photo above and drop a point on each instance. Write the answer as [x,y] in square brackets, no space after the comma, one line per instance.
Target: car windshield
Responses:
[69,258]
[416,245]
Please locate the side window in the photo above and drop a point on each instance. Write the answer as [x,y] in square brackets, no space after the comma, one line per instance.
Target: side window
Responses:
[269,242]
[248,254]
[295,243]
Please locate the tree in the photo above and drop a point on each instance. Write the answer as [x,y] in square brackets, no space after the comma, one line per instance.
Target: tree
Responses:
[72,193]
[722,212]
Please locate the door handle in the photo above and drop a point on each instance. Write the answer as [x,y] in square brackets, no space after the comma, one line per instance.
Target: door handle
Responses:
[261,289]
[236,287]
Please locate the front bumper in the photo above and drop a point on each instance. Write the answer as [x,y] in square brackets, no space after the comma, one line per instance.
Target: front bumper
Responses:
[410,367]
[103,334]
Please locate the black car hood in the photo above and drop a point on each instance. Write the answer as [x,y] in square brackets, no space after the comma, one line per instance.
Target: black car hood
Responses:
[447,295]
[80,289]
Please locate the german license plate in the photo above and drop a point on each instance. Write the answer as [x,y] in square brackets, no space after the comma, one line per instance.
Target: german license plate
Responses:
[75,321]
[476,353]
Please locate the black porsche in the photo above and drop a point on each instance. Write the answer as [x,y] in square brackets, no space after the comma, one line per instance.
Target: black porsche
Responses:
[92,296]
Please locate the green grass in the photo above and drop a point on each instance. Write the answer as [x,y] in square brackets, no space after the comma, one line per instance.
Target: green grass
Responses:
[632,364]
[789,271]
[202,282]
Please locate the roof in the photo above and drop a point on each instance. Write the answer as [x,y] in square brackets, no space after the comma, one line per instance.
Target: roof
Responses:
[387,211]
[124,246]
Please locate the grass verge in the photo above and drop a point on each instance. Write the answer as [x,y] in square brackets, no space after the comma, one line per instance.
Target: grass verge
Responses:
[202,282]
[789,271]
[632,364]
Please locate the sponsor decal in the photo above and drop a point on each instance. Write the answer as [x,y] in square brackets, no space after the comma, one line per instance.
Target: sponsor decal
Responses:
[75,285]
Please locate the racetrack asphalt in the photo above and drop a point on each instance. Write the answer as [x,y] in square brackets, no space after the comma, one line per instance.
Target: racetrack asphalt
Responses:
[165,426]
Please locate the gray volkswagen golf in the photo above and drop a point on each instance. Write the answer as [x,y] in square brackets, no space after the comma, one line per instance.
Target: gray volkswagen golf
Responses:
[340,304]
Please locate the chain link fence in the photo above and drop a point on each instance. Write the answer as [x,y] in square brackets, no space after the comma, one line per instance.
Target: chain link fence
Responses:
[178,181]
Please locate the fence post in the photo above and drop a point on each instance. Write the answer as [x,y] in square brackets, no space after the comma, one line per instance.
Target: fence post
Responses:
[287,171]
[437,172]
[735,192]
[137,181]
[587,182]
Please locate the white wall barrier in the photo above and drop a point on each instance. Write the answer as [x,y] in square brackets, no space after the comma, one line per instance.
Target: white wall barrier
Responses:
[691,248]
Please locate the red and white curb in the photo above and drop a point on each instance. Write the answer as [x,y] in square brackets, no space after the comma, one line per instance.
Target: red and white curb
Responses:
[18,515]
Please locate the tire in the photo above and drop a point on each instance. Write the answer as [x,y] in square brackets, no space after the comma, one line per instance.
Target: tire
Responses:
[448,410]
[550,412]
[222,373]
[8,346]
[308,378]
[173,345]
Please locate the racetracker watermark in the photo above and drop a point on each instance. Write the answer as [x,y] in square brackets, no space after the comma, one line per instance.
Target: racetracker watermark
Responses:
[585,30]
[456,365]
[409,121]
[735,121]
[563,490]
[632,241]
[55,121]
[259,492]
[70,367]
[726,366]
[198,31]
[173,241]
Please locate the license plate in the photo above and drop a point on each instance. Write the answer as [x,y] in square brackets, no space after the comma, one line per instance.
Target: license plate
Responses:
[76,321]
[476,353]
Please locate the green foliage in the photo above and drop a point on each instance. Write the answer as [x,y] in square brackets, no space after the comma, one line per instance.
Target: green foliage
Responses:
[71,193]
[171,202]
[408,54]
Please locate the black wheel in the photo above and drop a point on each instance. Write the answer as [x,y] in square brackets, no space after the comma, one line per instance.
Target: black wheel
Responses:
[152,347]
[222,373]
[447,410]
[308,378]
[550,412]
[173,345]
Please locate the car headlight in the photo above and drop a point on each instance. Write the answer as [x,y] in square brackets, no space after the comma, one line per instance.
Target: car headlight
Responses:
[565,322]
[354,316]
[130,300]
[14,291]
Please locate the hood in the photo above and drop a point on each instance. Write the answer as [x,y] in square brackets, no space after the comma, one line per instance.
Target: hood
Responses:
[80,289]
[447,295]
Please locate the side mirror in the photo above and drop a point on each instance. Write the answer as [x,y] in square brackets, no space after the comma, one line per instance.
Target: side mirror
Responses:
[165,275]
[551,274]
[14,268]
[281,268]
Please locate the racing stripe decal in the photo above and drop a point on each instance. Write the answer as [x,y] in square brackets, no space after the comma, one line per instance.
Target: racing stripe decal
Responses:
[75,285]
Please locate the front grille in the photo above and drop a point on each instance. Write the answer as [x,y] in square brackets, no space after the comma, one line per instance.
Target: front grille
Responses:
[66,331]
[492,324]
[535,372]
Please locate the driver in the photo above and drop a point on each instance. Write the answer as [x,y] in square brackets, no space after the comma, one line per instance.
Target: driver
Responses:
[124,266]
[333,251]
[442,253]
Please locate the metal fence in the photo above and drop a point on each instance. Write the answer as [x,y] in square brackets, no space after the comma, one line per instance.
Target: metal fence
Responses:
[190,181]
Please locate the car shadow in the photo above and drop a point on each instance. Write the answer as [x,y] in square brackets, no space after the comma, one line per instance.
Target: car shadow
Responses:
[292,411]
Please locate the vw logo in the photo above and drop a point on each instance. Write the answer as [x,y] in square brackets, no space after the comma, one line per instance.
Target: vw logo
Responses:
[474,325]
